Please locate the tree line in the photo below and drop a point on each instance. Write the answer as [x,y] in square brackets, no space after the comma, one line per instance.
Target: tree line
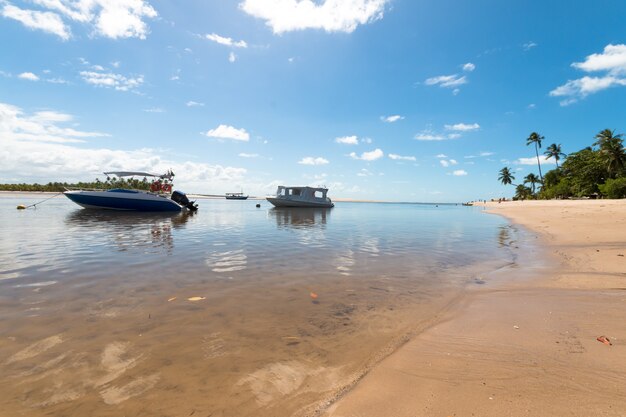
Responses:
[595,171]
[58,187]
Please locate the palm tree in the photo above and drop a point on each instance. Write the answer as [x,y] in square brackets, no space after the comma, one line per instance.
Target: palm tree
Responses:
[522,192]
[532,179]
[536,138]
[612,151]
[506,177]
[554,151]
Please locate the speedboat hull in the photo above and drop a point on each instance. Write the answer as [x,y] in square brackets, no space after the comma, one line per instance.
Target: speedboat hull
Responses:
[121,199]
[285,202]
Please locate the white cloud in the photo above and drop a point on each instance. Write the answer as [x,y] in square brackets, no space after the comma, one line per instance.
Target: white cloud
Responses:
[459,173]
[612,61]
[486,153]
[446,163]
[32,19]
[112,19]
[391,119]
[192,103]
[584,86]
[111,80]
[309,160]
[454,135]
[329,15]
[28,76]
[529,45]
[401,158]
[366,140]
[38,148]
[57,81]
[248,155]
[429,135]
[364,173]
[348,140]
[226,41]
[441,155]
[232,57]
[533,161]
[154,110]
[469,67]
[368,156]
[42,126]
[228,132]
[447,81]
[463,127]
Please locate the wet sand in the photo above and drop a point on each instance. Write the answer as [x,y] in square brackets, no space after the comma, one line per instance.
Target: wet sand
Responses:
[523,346]
[277,346]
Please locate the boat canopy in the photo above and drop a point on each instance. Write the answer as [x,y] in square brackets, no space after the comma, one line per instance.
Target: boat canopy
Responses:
[168,175]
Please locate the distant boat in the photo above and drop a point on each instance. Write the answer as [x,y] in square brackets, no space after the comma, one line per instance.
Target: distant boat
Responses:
[301,197]
[159,198]
[236,196]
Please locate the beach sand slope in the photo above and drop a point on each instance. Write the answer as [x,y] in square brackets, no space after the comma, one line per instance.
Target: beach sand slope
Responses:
[522,347]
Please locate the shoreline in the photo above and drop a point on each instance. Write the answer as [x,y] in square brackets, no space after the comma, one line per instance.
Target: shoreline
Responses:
[524,346]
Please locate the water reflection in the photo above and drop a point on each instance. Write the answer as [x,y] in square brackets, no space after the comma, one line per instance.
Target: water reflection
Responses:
[300,218]
[228,261]
[130,230]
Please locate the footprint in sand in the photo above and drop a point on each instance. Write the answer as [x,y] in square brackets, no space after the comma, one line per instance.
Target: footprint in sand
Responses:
[36,349]
[115,361]
[70,375]
[213,346]
[115,395]
[280,379]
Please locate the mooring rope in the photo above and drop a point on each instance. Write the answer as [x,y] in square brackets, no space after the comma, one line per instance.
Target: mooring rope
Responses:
[23,207]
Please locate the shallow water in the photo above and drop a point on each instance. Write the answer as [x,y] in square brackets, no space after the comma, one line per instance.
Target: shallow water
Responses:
[293,304]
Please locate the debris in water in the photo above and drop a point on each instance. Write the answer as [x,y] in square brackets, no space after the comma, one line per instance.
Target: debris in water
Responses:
[171,299]
[516,327]
[605,340]
[313,296]
[196,298]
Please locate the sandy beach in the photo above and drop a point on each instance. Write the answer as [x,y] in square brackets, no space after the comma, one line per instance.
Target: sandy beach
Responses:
[526,343]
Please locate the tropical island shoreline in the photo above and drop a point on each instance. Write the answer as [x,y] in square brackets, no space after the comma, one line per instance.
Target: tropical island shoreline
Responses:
[548,339]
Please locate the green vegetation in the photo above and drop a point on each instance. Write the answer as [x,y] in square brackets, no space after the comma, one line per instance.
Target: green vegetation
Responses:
[554,151]
[596,171]
[535,138]
[97,184]
[506,177]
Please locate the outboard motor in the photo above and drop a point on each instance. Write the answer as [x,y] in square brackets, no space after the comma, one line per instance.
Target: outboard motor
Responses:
[181,198]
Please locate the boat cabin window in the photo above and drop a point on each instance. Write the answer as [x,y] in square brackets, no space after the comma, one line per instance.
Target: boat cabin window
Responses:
[295,191]
[318,194]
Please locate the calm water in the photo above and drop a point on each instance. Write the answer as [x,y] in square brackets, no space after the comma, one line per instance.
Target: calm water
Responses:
[293,305]
[234,240]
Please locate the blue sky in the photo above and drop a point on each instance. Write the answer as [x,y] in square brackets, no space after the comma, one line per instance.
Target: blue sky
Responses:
[397,100]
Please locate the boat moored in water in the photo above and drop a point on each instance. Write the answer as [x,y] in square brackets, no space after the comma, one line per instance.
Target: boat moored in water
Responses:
[301,197]
[235,196]
[159,198]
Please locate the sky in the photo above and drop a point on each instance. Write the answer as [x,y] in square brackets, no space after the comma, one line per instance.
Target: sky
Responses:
[398,100]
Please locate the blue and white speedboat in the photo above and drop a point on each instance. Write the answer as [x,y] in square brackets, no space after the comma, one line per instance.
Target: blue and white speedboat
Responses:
[159,198]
